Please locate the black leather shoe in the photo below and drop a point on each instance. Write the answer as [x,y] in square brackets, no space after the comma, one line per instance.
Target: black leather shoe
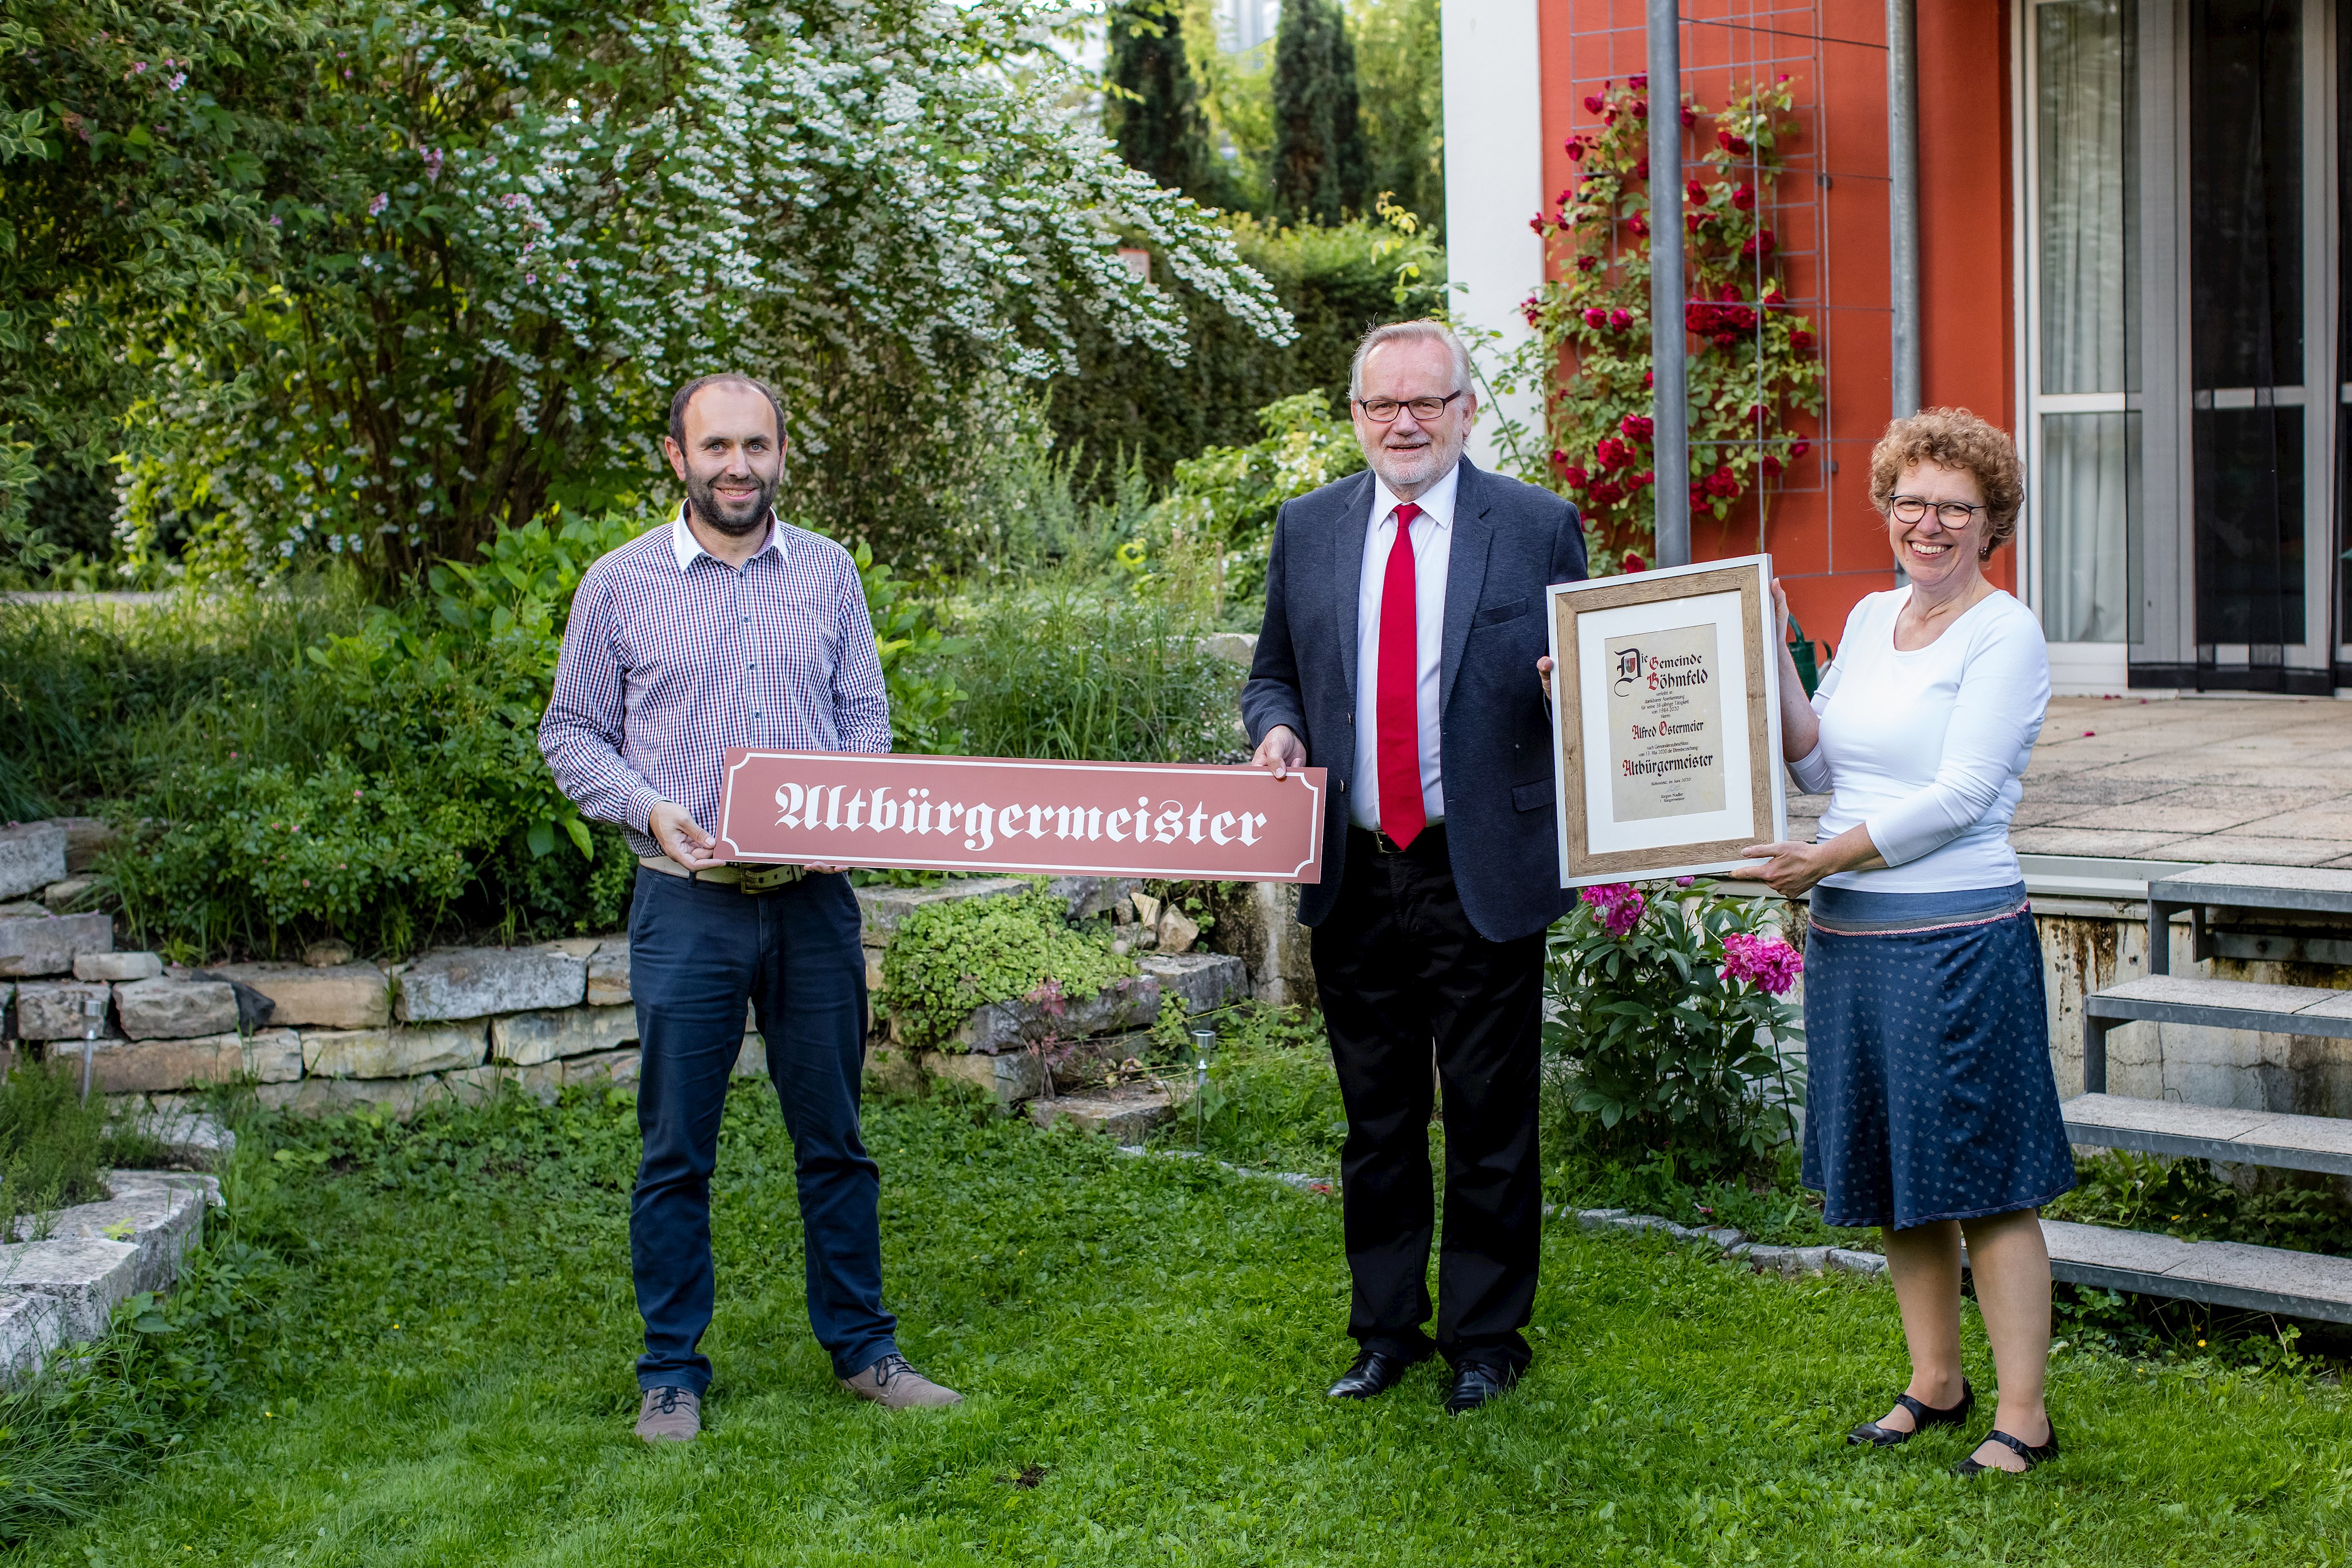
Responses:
[1878,1437]
[1474,1385]
[1375,1372]
[2031,1456]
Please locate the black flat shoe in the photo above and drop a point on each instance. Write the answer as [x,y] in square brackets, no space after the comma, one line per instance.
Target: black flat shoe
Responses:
[2024,1451]
[1878,1437]
[1474,1385]
[1375,1372]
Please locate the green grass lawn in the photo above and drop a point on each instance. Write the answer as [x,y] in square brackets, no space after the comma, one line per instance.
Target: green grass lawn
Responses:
[1143,1344]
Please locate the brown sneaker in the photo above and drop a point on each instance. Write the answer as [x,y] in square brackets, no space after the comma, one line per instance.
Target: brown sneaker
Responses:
[893,1384]
[669,1415]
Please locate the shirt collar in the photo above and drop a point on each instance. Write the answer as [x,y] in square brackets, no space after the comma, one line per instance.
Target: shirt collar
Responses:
[1436,502]
[685,547]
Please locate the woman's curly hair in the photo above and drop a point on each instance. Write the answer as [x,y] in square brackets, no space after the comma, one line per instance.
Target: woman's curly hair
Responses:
[1954,438]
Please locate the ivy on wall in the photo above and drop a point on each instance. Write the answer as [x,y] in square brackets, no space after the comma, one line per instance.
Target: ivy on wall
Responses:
[1753,358]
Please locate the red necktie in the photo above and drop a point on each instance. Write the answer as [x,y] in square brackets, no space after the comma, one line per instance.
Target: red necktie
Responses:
[1396,707]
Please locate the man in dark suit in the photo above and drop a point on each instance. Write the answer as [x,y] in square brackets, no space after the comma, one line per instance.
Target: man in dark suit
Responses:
[1404,617]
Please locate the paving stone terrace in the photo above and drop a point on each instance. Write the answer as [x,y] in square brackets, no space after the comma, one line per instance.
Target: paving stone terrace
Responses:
[2259,780]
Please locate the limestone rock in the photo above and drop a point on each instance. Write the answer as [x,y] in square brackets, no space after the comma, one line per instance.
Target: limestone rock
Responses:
[475,1085]
[1200,980]
[159,1213]
[751,1061]
[1259,923]
[31,1326]
[31,857]
[116,965]
[403,1097]
[1147,909]
[392,1052]
[1234,647]
[45,944]
[608,973]
[1008,1079]
[1084,897]
[1126,1114]
[327,954]
[1127,1003]
[525,1039]
[337,996]
[62,896]
[1177,931]
[53,1010]
[175,1009]
[892,1070]
[616,1068]
[86,838]
[475,982]
[85,1277]
[153,1066]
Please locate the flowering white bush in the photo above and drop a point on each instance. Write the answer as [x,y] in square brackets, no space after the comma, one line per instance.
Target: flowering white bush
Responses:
[514,232]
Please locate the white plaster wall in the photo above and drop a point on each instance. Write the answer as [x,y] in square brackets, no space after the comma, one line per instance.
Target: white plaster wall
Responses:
[1493,184]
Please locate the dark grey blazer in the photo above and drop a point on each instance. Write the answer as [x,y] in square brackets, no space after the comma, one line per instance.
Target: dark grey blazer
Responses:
[1510,540]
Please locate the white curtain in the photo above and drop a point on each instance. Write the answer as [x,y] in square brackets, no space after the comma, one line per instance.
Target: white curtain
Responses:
[2088,465]
[2086,136]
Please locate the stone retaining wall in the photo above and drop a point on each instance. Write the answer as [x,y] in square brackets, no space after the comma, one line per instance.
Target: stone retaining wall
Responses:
[454,1023]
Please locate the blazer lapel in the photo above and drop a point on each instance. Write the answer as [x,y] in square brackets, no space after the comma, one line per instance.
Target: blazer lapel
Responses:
[1345,569]
[1466,574]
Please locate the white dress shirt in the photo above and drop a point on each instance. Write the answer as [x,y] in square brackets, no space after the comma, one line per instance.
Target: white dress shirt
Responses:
[1433,545]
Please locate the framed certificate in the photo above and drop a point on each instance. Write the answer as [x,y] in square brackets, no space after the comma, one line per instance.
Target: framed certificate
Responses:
[1666,721]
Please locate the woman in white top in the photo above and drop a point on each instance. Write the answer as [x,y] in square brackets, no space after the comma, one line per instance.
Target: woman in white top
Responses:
[1931,1112]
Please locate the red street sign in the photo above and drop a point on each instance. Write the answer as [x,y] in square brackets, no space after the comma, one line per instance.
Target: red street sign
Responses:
[995,813]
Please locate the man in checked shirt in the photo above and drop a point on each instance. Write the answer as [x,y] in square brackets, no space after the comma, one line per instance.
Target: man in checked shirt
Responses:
[732,628]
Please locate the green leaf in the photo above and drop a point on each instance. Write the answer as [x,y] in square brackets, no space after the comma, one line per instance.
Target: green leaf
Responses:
[542,839]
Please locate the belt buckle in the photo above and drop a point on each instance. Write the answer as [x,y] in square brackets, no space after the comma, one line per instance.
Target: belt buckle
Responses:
[768,878]
[1383,844]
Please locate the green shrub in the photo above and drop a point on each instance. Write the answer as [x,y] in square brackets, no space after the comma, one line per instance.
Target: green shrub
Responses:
[1667,1027]
[301,762]
[1078,671]
[1228,496]
[1337,282]
[949,959]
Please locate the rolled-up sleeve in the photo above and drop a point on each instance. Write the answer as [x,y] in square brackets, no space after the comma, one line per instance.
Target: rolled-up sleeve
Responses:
[581,733]
[2004,691]
[861,699]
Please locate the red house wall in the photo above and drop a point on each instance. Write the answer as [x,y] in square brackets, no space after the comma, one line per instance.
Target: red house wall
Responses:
[1830,212]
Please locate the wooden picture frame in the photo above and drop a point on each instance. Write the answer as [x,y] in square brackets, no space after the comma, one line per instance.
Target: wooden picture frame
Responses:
[1670,765]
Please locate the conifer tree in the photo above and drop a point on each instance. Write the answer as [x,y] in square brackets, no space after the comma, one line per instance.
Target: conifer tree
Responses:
[1320,168]
[1154,116]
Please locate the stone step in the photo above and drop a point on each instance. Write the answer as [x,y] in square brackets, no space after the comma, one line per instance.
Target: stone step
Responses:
[2223,1004]
[2310,889]
[1125,1114]
[2216,1273]
[2210,1133]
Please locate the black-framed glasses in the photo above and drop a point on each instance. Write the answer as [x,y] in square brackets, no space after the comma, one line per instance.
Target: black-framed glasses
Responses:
[1383,410]
[1951,513]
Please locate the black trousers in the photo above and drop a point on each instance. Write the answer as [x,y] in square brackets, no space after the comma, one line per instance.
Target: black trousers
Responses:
[1402,973]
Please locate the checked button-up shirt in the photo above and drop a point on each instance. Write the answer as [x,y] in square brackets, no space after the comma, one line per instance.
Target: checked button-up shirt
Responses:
[671,656]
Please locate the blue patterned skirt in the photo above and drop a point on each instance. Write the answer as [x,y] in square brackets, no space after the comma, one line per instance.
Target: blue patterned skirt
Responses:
[1929,1091]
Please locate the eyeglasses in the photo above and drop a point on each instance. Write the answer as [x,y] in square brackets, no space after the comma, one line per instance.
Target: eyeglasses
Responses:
[1951,513]
[1383,410]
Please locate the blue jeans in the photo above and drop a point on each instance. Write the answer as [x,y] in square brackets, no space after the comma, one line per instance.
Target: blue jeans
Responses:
[696,952]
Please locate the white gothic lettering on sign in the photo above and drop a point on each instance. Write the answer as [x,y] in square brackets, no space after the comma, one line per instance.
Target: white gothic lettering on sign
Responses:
[986,813]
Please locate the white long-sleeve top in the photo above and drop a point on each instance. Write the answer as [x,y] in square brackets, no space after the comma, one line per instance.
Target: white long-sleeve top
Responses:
[1928,748]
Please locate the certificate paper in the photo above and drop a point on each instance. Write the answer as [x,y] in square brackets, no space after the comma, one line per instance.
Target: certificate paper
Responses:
[1666,722]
